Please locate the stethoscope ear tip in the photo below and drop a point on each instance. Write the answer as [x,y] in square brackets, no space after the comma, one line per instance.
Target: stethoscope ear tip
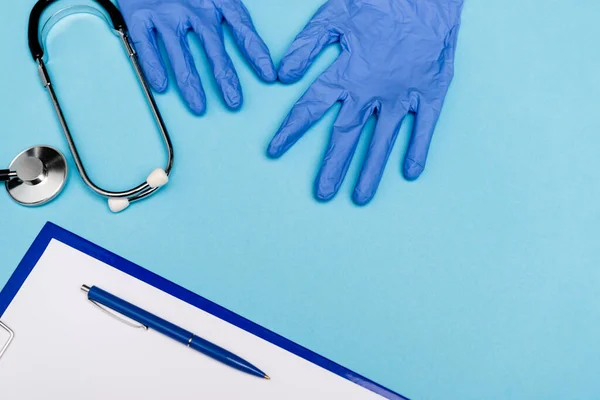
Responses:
[157,178]
[117,205]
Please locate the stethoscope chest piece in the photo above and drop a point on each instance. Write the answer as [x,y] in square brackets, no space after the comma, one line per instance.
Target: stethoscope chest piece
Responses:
[36,176]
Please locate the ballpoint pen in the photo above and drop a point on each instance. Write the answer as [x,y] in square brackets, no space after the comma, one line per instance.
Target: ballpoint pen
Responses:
[150,321]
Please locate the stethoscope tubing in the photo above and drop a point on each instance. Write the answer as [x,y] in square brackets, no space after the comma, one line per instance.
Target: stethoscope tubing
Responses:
[37,51]
[7,174]
[35,45]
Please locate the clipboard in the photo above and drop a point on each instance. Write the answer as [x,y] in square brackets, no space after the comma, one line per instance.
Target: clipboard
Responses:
[331,380]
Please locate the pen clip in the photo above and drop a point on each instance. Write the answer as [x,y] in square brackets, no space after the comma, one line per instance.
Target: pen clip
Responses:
[115,315]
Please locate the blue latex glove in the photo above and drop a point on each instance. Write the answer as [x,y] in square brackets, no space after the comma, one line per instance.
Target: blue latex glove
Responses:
[172,20]
[397,57]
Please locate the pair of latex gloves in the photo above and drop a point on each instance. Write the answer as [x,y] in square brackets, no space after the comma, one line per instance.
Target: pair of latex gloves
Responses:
[397,57]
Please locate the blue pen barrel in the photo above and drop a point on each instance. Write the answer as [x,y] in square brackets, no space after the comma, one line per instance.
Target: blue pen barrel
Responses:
[172,331]
[224,356]
[137,314]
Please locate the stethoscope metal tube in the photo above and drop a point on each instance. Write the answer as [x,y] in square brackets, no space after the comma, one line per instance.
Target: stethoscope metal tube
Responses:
[117,201]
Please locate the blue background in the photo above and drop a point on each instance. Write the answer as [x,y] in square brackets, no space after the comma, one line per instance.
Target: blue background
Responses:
[478,281]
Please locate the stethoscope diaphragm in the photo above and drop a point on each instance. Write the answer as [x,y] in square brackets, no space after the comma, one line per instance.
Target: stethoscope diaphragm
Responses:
[37,176]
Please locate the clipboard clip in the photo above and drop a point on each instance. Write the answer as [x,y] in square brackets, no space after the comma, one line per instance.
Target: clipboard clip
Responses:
[11,336]
[114,314]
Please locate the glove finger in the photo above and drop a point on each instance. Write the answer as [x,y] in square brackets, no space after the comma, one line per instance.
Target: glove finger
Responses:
[342,146]
[379,151]
[309,43]
[311,107]
[143,38]
[223,70]
[248,40]
[185,71]
[418,147]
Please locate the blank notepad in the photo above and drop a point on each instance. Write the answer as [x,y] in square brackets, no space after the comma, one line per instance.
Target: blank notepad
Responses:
[66,348]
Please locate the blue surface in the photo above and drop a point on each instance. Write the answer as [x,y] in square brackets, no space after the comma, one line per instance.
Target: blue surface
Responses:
[479,280]
[51,231]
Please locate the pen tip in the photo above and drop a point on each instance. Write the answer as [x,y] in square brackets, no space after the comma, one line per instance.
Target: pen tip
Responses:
[267,377]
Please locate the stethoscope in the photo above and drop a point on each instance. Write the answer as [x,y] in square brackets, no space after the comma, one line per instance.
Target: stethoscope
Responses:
[38,174]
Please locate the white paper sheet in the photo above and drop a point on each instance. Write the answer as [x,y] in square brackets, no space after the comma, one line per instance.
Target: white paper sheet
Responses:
[65,348]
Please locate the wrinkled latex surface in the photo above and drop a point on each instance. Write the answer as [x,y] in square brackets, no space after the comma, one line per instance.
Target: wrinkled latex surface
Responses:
[397,57]
[171,20]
